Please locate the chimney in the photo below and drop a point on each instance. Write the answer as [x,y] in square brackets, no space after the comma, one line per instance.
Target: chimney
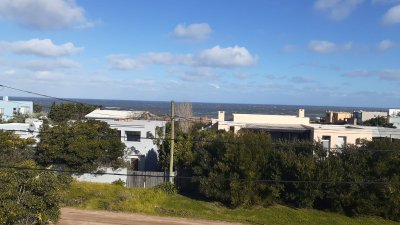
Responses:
[5,98]
[221,116]
[301,113]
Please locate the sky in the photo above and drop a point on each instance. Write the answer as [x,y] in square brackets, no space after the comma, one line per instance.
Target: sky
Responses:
[309,52]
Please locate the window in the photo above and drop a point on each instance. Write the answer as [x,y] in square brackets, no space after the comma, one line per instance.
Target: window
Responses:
[326,142]
[342,141]
[134,164]
[132,136]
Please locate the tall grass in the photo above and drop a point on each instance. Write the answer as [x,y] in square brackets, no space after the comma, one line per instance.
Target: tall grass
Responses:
[157,202]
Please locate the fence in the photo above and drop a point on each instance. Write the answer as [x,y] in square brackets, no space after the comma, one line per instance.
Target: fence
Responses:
[145,179]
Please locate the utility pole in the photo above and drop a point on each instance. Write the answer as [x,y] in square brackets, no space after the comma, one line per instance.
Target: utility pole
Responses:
[171,160]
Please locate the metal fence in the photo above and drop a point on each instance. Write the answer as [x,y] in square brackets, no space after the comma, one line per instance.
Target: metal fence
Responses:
[145,179]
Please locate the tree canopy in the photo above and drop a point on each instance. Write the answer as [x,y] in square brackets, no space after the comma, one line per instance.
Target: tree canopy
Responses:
[69,111]
[82,145]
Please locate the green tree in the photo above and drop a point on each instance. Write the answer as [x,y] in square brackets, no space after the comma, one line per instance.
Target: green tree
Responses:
[37,108]
[379,121]
[82,145]
[28,194]
[69,111]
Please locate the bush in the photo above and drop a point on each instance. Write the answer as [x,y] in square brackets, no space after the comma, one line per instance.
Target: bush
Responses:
[119,182]
[167,187]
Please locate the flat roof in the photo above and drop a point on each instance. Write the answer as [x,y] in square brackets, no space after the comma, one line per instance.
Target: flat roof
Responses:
[113,114]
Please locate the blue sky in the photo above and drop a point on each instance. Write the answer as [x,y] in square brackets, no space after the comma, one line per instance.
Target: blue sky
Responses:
[311,52]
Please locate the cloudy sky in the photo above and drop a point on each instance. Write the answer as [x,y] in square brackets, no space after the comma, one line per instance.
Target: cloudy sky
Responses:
[311,52]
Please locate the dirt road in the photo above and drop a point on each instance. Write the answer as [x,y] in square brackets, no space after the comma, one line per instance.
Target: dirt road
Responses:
[70,216]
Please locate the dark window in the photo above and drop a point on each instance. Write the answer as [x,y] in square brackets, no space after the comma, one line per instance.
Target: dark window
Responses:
[133,136]
[134,164]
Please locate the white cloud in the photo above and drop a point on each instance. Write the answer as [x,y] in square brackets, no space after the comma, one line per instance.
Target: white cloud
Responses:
[40,47]
[386,44]
[321,46]
[123,62]
[196,31]
[392,15]
[226,57]
[387,74]
[216,86]
[48,75]
[50,64]
[384,1]
[337,9]
[44,14]
[10,72]
[214,57]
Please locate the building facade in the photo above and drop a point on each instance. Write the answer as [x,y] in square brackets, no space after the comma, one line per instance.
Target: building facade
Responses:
[9,108]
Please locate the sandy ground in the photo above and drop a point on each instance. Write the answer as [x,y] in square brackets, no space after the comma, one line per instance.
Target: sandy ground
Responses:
[71,216]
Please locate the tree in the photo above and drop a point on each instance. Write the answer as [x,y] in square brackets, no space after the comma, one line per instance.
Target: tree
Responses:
[29,195]
[83,146]
[69,111]
[37,108]
[379,121]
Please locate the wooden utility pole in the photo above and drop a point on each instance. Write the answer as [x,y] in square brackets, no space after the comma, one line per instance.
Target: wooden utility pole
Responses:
[171,160]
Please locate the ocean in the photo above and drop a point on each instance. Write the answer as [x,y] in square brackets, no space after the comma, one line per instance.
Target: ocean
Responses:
[209,110]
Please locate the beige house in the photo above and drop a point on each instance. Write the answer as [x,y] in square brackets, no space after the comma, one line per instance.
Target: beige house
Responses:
[289,127]
[338,117]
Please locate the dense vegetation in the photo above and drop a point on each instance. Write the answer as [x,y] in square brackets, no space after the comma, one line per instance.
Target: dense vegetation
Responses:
[379,121]
[153,201]
[29,193]
[69,111]
[248,169]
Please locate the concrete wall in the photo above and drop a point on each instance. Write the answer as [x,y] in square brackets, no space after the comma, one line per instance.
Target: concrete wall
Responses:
[335,131]
[395,121]
[107,178]
[270,119]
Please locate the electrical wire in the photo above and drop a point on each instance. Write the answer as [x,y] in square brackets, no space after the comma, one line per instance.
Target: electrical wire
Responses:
[132,174]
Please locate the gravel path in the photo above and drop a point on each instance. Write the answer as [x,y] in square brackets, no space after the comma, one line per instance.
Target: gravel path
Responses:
[72,216]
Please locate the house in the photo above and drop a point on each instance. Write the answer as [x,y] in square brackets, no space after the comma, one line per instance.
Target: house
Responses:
[29,129]
[9,108]
[394,117]
[138,136]
[338,117]
[361,116]
[287,127]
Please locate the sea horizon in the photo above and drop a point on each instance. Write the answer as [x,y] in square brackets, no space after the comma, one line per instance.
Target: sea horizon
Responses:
[203,109]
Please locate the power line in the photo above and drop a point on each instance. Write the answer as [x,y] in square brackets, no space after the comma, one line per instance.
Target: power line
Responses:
[44,95]
[132,174]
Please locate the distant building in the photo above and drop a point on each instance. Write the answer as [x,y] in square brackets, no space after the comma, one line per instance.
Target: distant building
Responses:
[338,117]
[29,129]
[361,116]
[292,128]
[287,127]
[137,135]
[394,117]
[9,108]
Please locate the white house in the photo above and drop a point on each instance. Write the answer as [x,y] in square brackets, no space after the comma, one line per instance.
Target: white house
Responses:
[29,129]
[8,108]
[137,135]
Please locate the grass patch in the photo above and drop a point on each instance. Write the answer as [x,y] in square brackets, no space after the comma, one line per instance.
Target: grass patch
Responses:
[156,202]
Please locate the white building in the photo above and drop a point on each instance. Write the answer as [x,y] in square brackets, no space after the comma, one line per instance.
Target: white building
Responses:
[137,135]
[394,117]
[29,129]
[288,127]
[9,108]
